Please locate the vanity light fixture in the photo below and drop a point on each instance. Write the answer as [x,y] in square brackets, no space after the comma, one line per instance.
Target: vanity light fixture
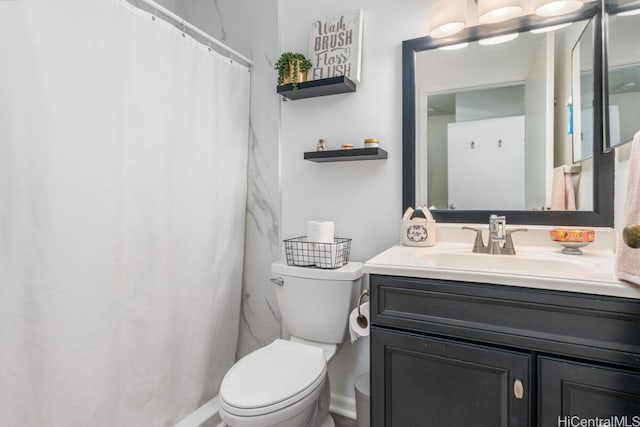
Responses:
[556,7]
[454,46]
[498,39]
[447,17]
[549,28]
[492,11]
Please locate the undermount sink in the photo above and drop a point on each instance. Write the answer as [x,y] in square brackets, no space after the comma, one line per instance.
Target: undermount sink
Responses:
[531,264]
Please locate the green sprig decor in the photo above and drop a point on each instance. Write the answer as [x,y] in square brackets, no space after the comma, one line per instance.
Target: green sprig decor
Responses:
[289,66]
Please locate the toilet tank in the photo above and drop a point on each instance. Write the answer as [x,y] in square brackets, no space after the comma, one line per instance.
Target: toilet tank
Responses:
[315,303]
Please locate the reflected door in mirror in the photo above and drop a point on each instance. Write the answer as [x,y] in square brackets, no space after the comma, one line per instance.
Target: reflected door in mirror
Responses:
[486,164]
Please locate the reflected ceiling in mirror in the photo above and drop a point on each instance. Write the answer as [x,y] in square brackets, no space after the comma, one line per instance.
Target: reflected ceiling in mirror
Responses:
[495,120]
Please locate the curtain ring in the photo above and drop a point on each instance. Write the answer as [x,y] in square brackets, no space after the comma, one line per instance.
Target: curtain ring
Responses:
[155,13]
[183,29]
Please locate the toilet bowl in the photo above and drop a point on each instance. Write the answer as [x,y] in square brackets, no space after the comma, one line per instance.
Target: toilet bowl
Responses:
[277,385]
[285,383]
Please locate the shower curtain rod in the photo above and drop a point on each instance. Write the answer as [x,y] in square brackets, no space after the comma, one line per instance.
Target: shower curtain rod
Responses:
[185,24]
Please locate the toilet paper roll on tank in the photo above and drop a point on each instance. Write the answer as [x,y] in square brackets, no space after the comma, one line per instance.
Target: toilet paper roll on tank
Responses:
[320,231]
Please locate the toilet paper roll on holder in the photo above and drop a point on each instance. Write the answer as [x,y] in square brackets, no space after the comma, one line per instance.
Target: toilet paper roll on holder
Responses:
[362,320]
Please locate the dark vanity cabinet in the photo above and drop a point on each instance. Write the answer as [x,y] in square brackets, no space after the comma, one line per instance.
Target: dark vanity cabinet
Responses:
[457,354]
[427,380]
[589,390]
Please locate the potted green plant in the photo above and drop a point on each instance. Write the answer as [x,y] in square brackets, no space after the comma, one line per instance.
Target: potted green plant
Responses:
[292,68]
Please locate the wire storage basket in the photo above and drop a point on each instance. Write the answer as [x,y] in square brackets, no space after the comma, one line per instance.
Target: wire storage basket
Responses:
[303,253]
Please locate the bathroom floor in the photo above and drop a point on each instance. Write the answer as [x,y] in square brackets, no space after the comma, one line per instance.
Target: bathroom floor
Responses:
[341,421]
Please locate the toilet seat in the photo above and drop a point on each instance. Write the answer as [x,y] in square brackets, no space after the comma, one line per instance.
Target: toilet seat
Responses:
[271,378]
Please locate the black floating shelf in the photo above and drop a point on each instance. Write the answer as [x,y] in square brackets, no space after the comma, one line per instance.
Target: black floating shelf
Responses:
[320,87]
[346,155]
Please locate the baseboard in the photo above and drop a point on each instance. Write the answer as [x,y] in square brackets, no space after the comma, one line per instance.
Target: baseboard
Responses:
[207,415]
[345,406]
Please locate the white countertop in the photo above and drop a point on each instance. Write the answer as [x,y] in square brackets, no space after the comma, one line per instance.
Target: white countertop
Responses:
[541,267]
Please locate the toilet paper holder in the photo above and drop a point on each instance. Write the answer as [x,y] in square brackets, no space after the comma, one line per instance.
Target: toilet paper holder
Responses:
[362,320]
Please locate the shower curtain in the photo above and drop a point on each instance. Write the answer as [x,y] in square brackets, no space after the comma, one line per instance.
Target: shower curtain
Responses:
[123,151]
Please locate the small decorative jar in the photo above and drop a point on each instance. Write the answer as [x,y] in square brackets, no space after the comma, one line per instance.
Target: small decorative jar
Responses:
[418,232]
[371,143]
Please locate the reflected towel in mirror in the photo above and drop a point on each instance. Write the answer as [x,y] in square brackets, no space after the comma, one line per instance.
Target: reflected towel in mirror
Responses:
[563,192]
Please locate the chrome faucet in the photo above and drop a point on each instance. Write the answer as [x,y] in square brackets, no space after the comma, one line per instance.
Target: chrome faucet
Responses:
[497,234]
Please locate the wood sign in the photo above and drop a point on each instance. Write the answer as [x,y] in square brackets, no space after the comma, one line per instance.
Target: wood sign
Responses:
[335,46]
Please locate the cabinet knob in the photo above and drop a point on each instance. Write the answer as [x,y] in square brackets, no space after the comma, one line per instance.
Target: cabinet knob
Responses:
[518,389]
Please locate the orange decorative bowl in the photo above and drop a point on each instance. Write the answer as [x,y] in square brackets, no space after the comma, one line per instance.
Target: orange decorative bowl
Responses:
[577,235]
[572,239]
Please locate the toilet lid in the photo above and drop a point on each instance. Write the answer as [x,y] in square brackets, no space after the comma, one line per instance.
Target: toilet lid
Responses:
[272,374]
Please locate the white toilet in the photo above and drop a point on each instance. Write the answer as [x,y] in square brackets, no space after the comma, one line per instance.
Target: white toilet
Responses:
[285,383]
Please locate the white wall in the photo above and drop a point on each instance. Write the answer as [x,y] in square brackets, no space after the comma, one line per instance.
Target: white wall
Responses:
[363,198]
[492,65]
[629,113]
[623,40]
[490,103]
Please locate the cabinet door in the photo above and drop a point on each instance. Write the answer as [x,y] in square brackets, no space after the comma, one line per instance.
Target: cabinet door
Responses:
[570,392]
[423,381]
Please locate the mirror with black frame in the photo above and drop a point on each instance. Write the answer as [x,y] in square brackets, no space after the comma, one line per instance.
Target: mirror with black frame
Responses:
[486,127]
[622,95]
